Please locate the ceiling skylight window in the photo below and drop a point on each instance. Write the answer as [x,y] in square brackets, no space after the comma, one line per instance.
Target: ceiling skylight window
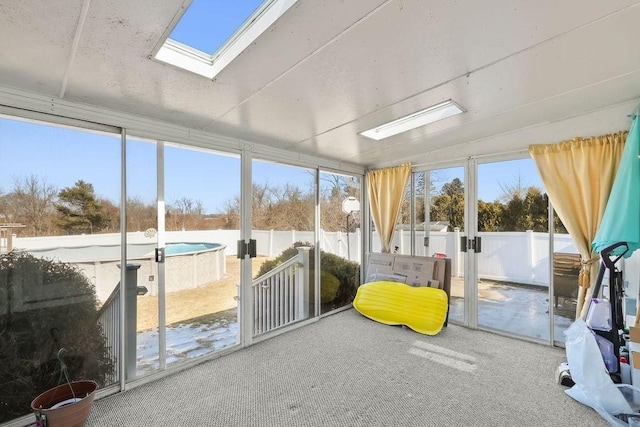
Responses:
[212,33]
[414,120]
[207,25]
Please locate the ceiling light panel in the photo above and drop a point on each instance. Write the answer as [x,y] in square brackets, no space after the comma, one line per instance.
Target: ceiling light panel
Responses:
[414,120]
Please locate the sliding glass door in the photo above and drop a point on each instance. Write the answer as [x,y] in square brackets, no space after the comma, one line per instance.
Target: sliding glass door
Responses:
[182,232]
[283,287]
[340,240]
[144,281]
[565,264]
[513,262]
[441,235]
[491,219]
[201,278]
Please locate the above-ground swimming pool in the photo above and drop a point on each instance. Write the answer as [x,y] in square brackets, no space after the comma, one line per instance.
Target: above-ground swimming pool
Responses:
[187,265]
[189,247]
[101,253]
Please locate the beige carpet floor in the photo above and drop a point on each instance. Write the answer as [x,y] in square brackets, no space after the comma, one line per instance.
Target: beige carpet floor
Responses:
[347,370]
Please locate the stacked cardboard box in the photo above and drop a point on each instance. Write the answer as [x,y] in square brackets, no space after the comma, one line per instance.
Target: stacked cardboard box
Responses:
[634,354]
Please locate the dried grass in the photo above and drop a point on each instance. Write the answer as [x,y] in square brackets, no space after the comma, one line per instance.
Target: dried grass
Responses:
[191,303]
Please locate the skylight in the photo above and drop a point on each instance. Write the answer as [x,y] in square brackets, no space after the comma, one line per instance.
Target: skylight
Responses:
[207,24]
[212,33]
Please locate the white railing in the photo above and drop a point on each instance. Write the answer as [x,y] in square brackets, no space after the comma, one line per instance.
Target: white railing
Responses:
[109,320]
[281,296]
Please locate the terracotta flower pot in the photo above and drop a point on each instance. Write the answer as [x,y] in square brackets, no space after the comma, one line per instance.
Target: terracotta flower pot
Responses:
[60,409]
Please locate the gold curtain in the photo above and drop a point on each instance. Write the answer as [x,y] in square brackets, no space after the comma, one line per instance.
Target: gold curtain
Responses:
[578,175]
[386,188]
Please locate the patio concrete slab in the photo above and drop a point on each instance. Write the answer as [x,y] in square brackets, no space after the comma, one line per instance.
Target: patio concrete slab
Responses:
[514,308]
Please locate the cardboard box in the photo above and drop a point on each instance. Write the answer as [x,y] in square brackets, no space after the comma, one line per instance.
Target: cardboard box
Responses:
[412,270]
[634,354]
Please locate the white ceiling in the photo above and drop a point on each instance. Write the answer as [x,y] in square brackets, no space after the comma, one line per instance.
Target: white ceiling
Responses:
[525,71]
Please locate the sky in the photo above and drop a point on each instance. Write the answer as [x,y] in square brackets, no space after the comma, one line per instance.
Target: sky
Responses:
[62,156]
[493,177]
[219,19]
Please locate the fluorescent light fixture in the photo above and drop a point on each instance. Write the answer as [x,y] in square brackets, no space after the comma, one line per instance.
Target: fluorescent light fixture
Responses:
[419,118]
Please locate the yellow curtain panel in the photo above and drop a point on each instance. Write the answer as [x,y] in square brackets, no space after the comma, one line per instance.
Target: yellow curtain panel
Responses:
[578,175]
[386,188]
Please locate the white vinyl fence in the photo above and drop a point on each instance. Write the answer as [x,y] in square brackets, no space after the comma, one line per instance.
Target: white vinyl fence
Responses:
[521,257]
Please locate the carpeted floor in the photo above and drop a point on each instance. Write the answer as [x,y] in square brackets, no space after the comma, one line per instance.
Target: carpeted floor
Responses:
[347,370]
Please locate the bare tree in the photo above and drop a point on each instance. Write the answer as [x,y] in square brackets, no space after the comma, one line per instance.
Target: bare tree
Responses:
[331,216]
[291,207]
[31,202]
[185,213]
[336,190]
[294,209]
[112,216]
[437,178]
[140,215]
[275,208]
[5,215]
[517,189]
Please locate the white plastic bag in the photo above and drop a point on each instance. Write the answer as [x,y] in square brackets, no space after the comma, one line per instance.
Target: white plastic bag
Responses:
[599,315]
[594,386]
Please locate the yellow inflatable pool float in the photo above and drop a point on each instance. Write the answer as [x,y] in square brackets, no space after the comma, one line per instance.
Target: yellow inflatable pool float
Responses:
[423,309]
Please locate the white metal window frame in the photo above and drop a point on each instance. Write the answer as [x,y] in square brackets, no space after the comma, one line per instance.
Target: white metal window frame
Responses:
[470,166]
[16,104]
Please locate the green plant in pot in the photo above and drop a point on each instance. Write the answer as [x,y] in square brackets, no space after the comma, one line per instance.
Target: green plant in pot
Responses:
[46,305]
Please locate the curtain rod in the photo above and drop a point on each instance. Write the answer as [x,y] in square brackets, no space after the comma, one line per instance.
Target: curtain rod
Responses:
[499,155]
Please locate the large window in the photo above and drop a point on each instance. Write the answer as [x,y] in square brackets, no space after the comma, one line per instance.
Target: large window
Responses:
[340,239]
[187,303]
[59,258]
[283,217]
[505,283]
[201,272]
[514,263]
[445,191]
[66,280]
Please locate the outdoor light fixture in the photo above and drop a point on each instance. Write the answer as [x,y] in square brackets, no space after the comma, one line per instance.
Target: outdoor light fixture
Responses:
[419,118]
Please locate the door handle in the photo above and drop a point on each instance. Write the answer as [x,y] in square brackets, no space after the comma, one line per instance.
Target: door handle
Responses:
[245,248]
[159,255]
[468,243]
[477,244]
[463,243]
